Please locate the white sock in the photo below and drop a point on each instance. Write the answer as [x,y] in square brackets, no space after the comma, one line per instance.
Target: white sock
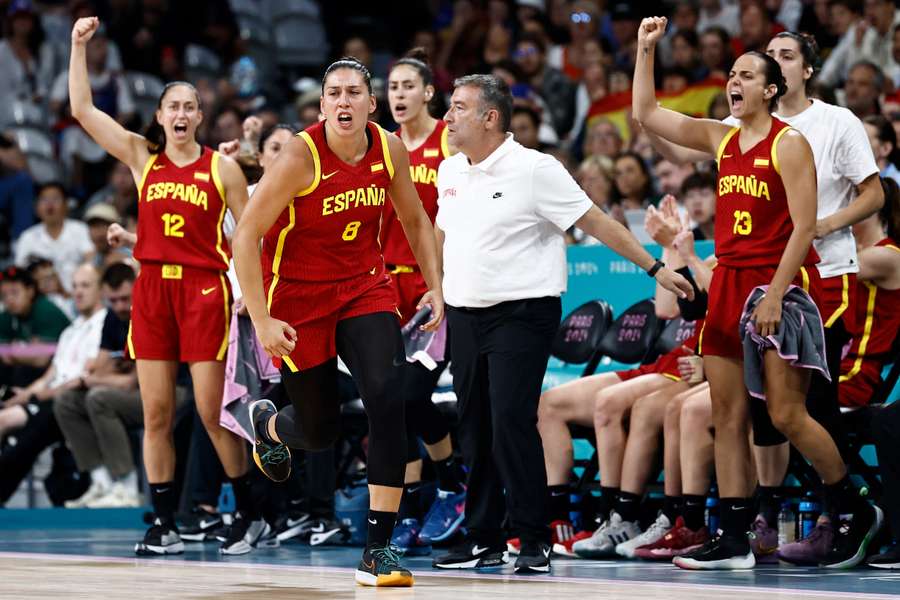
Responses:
[130,481]
[101,477]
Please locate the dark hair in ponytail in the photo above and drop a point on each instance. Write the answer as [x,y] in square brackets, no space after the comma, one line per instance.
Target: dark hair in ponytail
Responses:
[773,77]
[417,58]
[266,134]
[809,50]
[155,134]
[348,62]
[890,211]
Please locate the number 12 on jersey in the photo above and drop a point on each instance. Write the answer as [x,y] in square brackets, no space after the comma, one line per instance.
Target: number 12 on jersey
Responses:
[172,224]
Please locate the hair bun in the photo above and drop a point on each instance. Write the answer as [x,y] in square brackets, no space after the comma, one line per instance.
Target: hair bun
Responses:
[418,53]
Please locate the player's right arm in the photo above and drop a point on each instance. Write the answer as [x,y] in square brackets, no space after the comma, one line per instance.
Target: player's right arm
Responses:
[128,147]
[698,134]
[292,170]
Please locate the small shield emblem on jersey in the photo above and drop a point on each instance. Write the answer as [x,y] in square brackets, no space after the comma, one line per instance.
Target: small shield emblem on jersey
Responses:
[201,176]
[761,162]
[377,167]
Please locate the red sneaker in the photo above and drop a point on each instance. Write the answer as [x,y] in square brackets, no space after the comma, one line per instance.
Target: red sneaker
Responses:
[560,532]
[680,540]
[565,548]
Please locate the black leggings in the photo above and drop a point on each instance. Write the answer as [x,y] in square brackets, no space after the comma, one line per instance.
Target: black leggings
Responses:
[423,419]
[372,348]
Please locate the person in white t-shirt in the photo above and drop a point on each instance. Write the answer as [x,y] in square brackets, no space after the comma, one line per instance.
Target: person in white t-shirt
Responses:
[64,242]
[848,192]
[503,211]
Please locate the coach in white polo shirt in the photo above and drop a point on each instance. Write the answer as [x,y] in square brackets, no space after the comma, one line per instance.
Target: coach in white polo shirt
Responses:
[503,211]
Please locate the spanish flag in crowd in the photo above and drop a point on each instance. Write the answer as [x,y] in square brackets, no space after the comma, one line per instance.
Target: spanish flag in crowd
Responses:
[693,100]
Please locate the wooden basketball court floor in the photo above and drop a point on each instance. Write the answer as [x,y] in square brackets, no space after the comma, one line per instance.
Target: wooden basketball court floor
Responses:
[88,554]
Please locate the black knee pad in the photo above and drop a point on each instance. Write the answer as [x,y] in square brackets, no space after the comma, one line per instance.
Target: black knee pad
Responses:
[764,431]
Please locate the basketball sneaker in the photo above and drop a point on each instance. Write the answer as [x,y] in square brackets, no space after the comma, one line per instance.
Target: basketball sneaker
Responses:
[678,541]
[243,535]
[603,542]
[95,491]
[810,550]
[199,525]
[471,555]
[657,530]
[560,533]
[564,548]
[444,517]
[727,553]
[764,541]
[292,524]
[272,459]
[380,567]
[406,539]
[852,537]
[533,558]
[160,539]
[327,531]
[889,559]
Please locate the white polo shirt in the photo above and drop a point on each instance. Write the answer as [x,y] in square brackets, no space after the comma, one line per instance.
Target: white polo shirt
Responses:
[504,221]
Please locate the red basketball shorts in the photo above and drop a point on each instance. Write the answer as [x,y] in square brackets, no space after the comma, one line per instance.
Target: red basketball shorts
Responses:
[859,382]
[179,313]
[727,294]
[409,287]
[837,299]
[666,365]
[314,308]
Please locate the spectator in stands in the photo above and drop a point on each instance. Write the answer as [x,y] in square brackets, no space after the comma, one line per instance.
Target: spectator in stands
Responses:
[633,183]
[463,39]
[25,57]
[48,284]
[870,39]
[594,175]
[556,89]
[698,192]
[57,238]
[524,126]
[756,28]
[884,145]
[120,191]
[843,16]
[715,51]
[583,25]
[16,192]
[497,44]
[29,413]
[625,18]
[686,54]
[150,38]
[670,176]
[227,126]
[98,218]
[592,88]
[720,13]
[358,47]
[864,86]
[603,139]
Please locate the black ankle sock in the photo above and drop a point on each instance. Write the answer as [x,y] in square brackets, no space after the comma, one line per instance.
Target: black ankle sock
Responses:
[608,497]
[559,502]
[449,474]
[693,511]
[770,499]
[672,508]
[162,497]
[380,527]
[628,505]
[262,426]
[243,496]
[735,515]
[842,498]
[411,501]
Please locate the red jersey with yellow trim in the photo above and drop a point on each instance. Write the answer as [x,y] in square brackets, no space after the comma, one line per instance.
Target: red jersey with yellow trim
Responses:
[753,223]
[180,213]
[329,231]
[423,166]
[876,309]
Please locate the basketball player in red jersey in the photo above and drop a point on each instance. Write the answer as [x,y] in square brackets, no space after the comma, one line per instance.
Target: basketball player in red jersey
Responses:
[764,231]
[410,90]
[323,290]
[181,298]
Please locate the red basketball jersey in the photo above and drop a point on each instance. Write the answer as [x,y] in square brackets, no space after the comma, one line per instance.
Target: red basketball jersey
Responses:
[180,213]
[752,219]
[423,166]
[876,309]
[329,231]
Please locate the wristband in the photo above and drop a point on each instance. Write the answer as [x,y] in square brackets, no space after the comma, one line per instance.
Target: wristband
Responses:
[652,271]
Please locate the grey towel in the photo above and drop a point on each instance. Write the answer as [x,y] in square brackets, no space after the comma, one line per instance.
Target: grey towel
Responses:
[800,338]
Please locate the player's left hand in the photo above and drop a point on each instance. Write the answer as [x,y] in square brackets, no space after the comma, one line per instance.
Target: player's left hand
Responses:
[767,315]
[436,299]
[675,283]
[823,228]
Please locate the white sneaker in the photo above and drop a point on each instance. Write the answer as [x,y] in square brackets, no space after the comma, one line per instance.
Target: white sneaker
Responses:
[94,492]
[604,541]
[119,496]
[660,527]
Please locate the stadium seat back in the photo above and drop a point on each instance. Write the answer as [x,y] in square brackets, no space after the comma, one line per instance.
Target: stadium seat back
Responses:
[675,332]
[580,332]
[33,142]
[632,334]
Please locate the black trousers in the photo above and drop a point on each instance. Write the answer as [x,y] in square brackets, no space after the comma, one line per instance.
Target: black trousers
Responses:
[886,431]
[423,419]
[499,358]
[16,460]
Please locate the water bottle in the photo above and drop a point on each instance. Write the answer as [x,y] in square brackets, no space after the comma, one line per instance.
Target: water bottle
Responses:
[712,514]
[809,513]
[226,499]
[787,525]
[245,77]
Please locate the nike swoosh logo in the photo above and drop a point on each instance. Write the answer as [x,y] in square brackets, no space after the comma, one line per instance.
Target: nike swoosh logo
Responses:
[293,522]
[158,167]
[324,177]
[369,565]
[373,521]
[204,523]
[476,550]
[546,552]
[372,272]
[208,291]
[318,529]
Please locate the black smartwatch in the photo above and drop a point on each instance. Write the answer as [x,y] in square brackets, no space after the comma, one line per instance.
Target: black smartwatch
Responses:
[652,271]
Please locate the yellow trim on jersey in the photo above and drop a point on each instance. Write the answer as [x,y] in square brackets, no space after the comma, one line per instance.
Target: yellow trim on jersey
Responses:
[805,275]
[290,364]
[700,340]
[445,145]
[130,344]
[675,378]
[149,164]
[867,331]
[892,247]
[217,181]
[317,165]
[220,355]
[775,149]
[279,248]
[724,143]
[845,301]
[386,151]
